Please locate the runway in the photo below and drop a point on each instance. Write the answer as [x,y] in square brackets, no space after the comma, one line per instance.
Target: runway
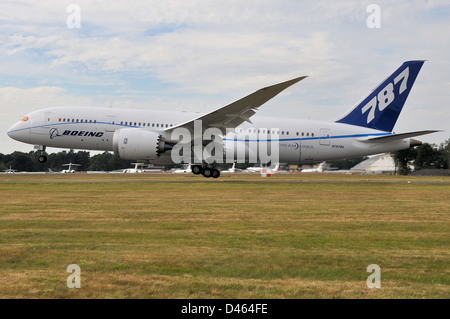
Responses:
[224,178]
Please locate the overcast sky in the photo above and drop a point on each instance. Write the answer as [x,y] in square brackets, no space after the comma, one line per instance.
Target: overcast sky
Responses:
[203,54]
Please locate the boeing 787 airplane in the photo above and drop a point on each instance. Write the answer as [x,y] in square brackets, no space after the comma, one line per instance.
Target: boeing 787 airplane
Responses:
[367,128]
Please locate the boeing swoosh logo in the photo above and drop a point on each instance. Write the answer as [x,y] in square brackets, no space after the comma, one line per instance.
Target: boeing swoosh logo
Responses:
[54,133]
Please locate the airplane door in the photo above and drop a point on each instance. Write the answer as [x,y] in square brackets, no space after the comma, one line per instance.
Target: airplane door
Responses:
[40,123]
[324,138]
[110,124]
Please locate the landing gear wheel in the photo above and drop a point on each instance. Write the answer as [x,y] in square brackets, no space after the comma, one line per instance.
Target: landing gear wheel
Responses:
[196,169]
[42,159]
[215,173]
[207,172]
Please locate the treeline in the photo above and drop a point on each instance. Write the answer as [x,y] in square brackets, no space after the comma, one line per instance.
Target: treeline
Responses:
[28,162]
[425,156]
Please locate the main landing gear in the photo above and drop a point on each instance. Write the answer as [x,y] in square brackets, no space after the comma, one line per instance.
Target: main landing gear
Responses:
[43,157]
[205,171]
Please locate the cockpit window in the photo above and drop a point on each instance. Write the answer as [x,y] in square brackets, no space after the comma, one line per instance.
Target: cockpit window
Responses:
[25,119]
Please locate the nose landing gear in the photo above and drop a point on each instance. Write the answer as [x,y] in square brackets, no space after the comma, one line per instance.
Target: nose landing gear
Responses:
[43,157]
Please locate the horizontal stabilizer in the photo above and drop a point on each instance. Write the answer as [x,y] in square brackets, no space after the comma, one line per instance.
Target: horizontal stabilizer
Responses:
[395,137]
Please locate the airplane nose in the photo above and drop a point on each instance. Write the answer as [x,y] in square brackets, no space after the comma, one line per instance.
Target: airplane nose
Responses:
[12,131]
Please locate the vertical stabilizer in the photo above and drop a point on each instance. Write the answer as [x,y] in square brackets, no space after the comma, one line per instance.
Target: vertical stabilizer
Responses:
[381,107]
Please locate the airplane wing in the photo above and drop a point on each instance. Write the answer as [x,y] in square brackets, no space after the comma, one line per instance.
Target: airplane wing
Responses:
[238,112]
[395,137]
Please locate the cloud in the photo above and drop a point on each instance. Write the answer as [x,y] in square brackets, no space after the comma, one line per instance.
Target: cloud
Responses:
[16,102]
[199,54]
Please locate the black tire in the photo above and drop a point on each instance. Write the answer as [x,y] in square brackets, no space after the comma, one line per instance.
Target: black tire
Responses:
[207,172]
[196,169]
[42,159]
[215,173]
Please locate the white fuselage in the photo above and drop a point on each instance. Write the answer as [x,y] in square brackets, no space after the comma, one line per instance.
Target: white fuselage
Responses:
[300,141]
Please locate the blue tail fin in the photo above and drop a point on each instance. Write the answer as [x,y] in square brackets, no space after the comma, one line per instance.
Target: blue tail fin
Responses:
[381,108]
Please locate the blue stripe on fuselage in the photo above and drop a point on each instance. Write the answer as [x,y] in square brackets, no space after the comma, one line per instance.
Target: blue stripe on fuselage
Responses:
[309,138]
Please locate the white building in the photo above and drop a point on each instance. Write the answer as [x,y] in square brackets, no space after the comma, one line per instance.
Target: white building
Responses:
[378,164]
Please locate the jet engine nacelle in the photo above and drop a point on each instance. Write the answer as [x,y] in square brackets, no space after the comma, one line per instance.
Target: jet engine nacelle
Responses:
[137,144]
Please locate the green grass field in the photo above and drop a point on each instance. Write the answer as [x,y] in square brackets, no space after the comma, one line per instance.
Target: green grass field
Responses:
[241,236]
